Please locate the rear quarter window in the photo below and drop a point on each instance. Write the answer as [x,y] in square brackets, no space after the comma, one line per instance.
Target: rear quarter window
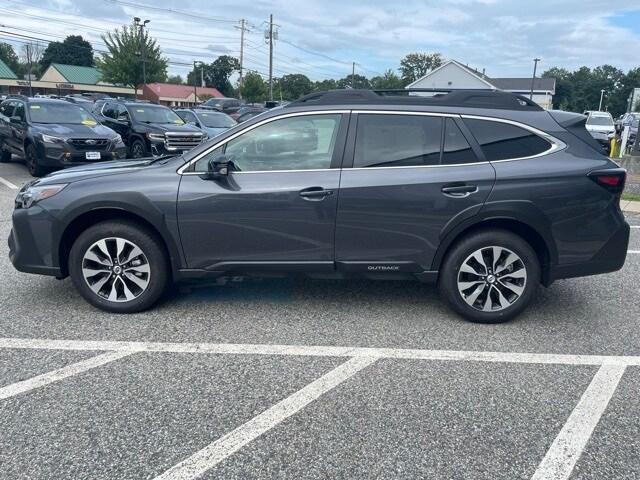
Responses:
[503,141]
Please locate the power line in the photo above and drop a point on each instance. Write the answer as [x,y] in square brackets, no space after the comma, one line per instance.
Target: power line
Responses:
[172,11]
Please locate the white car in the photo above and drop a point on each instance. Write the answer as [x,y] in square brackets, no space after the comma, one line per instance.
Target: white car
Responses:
[601,127]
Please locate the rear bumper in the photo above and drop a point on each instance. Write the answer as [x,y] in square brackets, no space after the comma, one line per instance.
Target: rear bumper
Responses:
[610,258]
[31,243]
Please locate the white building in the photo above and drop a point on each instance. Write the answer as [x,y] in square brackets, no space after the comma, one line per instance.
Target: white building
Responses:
[452,74]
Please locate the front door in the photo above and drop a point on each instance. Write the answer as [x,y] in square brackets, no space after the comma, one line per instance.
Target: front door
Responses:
[276,208]
[412,174]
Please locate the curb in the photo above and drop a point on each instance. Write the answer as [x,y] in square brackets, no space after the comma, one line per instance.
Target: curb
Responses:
[630,206]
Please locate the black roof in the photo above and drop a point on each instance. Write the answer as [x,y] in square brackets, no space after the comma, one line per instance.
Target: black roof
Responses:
[439,97]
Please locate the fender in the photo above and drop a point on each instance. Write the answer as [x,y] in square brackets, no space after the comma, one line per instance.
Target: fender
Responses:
[131,203]
[521,211]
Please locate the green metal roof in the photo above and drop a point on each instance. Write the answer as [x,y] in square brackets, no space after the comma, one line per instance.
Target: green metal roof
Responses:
[5,71]
[76,74]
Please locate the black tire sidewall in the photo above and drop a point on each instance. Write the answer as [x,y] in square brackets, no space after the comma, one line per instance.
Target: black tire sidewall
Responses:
[142,145]
[31,159]
[5,155]
[148,243]
[447,281]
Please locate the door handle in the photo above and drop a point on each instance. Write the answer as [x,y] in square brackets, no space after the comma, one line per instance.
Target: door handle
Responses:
[314,194]
[459,190]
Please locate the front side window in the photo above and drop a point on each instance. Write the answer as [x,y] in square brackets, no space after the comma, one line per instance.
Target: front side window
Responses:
[503,141]
[397,140]
[304,142]
[188,117]
[19,112]
[6,109]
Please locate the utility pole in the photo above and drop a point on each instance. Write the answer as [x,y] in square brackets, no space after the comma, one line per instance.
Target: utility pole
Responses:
[28,48]
[601,98]
[195,80]
[241,80]
[271,57]
[353,74]
[141,27]
[533,79]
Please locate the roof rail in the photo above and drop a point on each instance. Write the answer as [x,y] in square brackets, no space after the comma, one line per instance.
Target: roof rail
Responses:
[445,97]
[18,96]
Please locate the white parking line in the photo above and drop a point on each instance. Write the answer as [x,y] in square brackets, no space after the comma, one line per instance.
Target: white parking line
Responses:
[320,351]
[633,251]
[566,449]
[9,184]
[216,452]
[60,373]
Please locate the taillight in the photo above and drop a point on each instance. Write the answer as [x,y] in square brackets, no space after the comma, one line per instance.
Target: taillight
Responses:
[612,179]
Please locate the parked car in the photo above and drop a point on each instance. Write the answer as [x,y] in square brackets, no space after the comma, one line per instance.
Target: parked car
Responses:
[211,122]
[245,113]
[484,193]
[226,105]
[148,129]
[83,102]
[601,127]
[51,134]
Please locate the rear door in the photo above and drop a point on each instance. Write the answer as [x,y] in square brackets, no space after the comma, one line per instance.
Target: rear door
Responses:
[411,174]
[277,207]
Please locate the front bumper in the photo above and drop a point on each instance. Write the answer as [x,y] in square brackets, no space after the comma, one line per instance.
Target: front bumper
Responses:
[31,246]
[65,155]
[609,258]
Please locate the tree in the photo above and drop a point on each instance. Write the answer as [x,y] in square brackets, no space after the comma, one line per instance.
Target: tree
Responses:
[389,80]
[122,63]
[175,79]
[217,74]
[416,65]
[254,89]
[30,55]
[293,86]
[564,87]
[74,50]
[358,81]
[9,56]
[324,85]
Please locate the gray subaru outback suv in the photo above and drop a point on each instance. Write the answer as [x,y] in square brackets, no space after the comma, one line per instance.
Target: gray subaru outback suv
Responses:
[481,192]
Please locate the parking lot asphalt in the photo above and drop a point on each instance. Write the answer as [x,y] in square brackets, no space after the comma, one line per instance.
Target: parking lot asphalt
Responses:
[317,379]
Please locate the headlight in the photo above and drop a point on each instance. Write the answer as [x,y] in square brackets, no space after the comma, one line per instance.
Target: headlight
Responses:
[31,195]
[156,137]
[117,139]
[52,139]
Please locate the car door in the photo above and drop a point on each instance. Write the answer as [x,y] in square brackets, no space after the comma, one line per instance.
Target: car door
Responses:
[412,175]
[276,208]
[19,130]
[6,111]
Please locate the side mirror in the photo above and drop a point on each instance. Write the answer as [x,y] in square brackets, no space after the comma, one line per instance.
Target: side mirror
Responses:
[15,120]
[219,167]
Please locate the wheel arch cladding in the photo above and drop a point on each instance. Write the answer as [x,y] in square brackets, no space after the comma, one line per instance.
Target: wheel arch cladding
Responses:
[524,230]
[92,217]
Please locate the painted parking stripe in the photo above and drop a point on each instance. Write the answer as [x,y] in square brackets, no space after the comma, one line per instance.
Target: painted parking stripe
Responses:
[633,251]
[7,183]
[321,351]
[207,458]
[60,373]
[567,447]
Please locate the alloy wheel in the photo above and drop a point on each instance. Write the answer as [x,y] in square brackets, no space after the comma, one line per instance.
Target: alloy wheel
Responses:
[492,279]
[116,269]
[137,150]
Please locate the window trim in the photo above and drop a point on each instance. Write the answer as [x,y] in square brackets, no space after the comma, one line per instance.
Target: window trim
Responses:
[181,170]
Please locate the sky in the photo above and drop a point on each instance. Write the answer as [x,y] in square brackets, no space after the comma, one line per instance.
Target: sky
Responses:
[321,38]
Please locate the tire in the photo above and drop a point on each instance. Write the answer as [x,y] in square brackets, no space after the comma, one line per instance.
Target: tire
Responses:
[489,292]
[138,149]
[31,159]
[5,155]
[102,279]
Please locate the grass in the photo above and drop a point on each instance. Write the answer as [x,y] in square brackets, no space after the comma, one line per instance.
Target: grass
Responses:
[631,196]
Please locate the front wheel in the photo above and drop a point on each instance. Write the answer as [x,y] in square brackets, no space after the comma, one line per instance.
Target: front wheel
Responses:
[119,267]
[5,154]
[33,164]
[490,277]
[138,149]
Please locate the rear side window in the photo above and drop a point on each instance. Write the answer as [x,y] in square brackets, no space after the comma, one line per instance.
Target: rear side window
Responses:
[397,140]
[503,141]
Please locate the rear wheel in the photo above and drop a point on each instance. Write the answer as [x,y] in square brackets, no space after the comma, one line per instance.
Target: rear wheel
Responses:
[490,277]
[119,267]
[33,164]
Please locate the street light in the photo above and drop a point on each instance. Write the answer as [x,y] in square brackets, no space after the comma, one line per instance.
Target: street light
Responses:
[533,79]
[195,80]
[601,98]
[141,27]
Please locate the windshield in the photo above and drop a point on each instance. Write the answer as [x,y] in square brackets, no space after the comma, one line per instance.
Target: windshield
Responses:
[68,113]
[154,114]
[600,120]
[216,120]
